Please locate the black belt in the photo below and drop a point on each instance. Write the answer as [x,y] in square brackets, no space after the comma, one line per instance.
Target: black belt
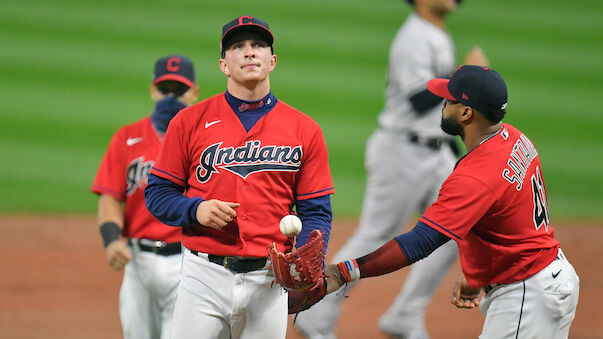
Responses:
[433,143]
[236,264]
[489,288]
[157,246]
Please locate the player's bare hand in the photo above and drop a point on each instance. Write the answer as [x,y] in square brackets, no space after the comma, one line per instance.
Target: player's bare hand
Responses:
[464,296]
[118,254]
[334,281]
[216,213]
[476,57]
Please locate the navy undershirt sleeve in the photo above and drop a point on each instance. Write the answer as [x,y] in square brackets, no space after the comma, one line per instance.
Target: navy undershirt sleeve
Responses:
[420,242]
[315,214]
[165,200]
[424,100]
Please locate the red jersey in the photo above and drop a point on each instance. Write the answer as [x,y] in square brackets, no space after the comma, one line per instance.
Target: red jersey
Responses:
[123,174]
[494,205]
[283,158]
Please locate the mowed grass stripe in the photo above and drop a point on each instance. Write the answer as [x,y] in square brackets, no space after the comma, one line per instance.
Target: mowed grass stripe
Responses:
[88,66]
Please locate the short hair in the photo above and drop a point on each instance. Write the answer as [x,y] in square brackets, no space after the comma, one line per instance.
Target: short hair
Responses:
[493,117]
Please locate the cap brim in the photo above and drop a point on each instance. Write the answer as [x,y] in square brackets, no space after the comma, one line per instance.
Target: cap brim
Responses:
[248,27]
[174,77]
[439,87]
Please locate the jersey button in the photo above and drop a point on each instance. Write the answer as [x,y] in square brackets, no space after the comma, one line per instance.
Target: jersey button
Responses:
[244,217]
[244,187]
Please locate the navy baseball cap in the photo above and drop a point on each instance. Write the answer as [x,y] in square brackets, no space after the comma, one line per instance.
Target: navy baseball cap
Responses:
[475,86]
[245,23]
[174,67]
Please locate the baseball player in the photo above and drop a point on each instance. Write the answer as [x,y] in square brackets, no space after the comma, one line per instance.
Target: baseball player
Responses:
[150,251]
[494,206]
[407,159]
[243,160]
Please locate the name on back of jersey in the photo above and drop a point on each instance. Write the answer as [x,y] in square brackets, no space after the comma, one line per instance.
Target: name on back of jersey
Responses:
[522,154]
[248,159]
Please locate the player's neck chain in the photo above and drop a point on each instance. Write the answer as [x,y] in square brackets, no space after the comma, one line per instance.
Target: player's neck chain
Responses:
[491,135]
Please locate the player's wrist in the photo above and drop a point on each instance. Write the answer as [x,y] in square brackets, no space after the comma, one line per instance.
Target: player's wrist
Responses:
[110,232]
[349,270]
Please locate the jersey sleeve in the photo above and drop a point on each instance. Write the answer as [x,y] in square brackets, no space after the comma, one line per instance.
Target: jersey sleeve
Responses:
[314,177]
[172,162]
[462,202]
[110,177]
[413,67]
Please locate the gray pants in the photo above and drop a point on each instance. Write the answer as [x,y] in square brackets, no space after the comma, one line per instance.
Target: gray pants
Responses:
[403,179]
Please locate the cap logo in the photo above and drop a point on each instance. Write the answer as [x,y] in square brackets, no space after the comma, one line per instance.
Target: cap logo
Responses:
[248,20]
[464,96]
[173,64]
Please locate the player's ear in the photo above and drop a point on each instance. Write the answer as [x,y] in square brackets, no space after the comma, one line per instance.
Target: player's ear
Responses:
[191,95]
[155,93]
[224,67]
[272,62]
[466,114]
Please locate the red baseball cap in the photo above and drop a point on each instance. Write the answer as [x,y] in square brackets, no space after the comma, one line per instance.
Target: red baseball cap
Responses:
[245,23]
[174,67]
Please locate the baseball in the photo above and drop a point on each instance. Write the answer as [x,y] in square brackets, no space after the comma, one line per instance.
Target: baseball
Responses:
[290,225]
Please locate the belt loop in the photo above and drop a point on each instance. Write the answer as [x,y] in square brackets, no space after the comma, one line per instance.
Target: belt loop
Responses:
[134,243]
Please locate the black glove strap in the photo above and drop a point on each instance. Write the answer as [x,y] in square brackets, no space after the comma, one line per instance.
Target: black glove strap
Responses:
[110,232]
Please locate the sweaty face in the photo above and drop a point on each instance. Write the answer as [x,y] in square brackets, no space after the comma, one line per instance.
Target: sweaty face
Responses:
[248,58]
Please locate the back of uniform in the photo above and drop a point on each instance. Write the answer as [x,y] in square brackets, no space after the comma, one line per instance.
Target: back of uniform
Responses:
[494,206]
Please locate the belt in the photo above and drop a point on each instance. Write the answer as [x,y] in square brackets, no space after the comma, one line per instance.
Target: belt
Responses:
[236,264]
[156,246]
[489,288]
[433,143]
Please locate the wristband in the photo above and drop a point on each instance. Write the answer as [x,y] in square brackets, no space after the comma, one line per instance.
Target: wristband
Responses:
[110,232]
[349,270]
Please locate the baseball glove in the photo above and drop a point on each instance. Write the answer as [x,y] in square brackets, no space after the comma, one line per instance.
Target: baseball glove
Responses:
[300,269]
[303,300]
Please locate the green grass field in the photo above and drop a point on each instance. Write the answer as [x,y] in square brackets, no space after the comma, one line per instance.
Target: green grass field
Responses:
[72,72]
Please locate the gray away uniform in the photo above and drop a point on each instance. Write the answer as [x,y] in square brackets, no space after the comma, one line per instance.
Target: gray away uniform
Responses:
[407,159]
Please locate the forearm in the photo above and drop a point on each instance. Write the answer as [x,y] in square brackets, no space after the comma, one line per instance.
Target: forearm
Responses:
[110,218]
[315,214]
[110,210]
[399,252]
[165,201]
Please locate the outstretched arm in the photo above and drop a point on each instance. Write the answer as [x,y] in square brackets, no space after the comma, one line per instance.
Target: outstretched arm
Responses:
[401,251]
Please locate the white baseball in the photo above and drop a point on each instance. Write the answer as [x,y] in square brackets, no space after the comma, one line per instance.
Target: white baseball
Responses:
[290,225]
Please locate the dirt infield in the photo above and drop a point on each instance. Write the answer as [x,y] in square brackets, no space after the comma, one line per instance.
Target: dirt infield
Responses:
[54,283]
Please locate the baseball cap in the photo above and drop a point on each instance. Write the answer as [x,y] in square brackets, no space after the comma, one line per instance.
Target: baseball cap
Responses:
[475,86]
[245,23]
[174,67]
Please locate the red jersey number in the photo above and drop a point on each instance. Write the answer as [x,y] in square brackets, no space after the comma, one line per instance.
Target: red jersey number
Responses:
[541,213]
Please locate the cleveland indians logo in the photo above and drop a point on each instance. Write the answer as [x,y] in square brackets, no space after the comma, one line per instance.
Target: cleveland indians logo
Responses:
[137,174]
[251,158]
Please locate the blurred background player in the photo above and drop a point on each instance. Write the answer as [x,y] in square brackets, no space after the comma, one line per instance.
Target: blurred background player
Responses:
[150,250]
[407,159]
[244,159]
[494,205]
